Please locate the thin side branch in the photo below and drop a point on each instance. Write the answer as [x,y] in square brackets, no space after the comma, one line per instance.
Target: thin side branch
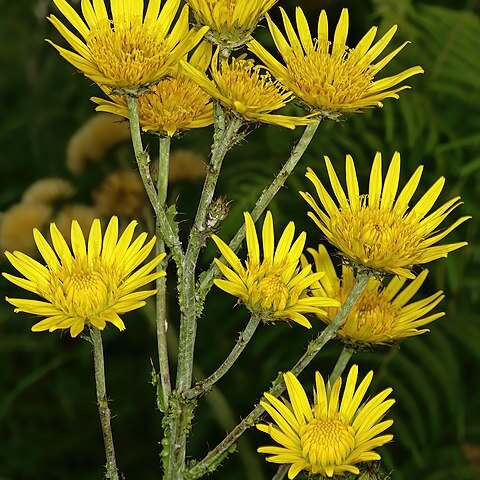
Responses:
[205,385]
[262,203]
[278,386]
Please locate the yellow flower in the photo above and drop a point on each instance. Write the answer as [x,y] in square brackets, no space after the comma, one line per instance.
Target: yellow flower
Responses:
[247,89]
[48,191]
[332,79]
[18,222]
[94,139]
[230,21]
[273,286]
[186,165]
[121,193]
[382,315]
[84,215]
[130,51]
[377,231]
[91,287]
[331,436]
[174,104]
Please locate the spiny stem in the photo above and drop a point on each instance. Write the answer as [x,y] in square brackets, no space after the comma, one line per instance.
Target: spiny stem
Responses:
[342,362]
[278,387]
[243,339]
[226,131]
[102,400]
[161,283]
[143,160]
[262,203]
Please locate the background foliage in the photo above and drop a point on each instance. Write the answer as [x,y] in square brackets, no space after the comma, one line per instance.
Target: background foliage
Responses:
[48,422]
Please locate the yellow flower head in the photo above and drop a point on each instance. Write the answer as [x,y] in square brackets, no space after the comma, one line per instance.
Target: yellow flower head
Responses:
[94,139]
[121,193]
[175,104]
[92,286]
[331,436]
[17,223]
[48,191]
[376,230]
[331,78]
[247,89]
[274,285]
[230,21]
[130,51]
[382,315]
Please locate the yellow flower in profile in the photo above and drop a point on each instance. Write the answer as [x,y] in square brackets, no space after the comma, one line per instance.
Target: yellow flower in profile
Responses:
[332,436]
[175,104]
[376,230]
[328,77]
[274,286]
[121,193]
[48,191]
[94,139]
[230,21]
[95,285]
[382,314]
[130,51]
[247,89]
[17,223]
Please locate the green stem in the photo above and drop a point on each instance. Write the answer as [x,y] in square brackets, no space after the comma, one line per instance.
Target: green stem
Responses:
[161,283]
[281,472]
[103,410]
[262,203]
[243,339]
[225,132]
[342,362]
[278,387]
[180,415]
[143,160]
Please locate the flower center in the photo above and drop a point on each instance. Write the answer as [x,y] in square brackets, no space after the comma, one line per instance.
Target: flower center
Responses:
[173,104]
[328,82]
[377,238]
[327,441]
[273,292]
[372,316]
[248,88]
[86,293]
[130,55]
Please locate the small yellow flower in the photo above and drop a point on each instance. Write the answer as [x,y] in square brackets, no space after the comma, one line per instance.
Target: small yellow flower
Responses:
[121,193]
[382,315]
[84,215]
[91,287]
[17,223]
[130,51]
[331,436]
[186,165]
[230,21]
[377,231]
[175,104]
[331,78]
[94,139]
[48,191]
[247,89]
[273,286]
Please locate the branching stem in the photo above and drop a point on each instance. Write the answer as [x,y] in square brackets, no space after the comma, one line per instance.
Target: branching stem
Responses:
[205,385]
[342,362]
[278,386]
[262,203]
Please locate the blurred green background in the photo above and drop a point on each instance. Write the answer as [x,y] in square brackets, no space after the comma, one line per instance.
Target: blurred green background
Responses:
[49,427]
